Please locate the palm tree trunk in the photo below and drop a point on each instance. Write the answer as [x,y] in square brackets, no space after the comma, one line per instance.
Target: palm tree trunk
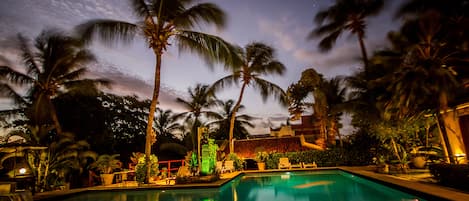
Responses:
[55,119]
[151,114]
[233,117]
[364,54]
[443,102]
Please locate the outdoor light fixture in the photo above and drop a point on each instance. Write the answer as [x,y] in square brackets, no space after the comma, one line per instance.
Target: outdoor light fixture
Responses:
[22,171]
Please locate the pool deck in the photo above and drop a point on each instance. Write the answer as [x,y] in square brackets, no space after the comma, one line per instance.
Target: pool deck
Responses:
[417,184]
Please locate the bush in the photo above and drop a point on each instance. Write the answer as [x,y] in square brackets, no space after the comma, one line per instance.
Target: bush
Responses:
[238,163]
[140,168]
[328,158]
[452,175]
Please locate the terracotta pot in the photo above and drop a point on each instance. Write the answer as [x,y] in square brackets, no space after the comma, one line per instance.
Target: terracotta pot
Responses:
[261,166]
[419,162]
[107,179]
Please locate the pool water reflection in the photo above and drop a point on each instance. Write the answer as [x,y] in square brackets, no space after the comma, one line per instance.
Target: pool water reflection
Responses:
[327,185]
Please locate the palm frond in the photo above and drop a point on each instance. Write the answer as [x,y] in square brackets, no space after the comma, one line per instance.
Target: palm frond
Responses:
[7,73]
[109,31]
[140,8]
[28,57]
[7,91]
[206,12]
[329,41]
[72,75]
[212,48]
[224,82]
[267,89]
[272,67]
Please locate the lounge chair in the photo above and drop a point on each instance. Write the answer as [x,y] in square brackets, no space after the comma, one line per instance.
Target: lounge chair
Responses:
[229,166]
[284,163]
[310,165]
[219,166]
[299,165]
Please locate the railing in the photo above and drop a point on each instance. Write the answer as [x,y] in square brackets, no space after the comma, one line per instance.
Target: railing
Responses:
[167,164]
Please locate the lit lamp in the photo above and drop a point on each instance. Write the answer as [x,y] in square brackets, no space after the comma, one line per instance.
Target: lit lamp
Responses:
[22,171]
[460,157]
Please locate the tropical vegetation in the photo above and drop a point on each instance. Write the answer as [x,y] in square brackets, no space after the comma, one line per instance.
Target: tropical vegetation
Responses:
[395,100]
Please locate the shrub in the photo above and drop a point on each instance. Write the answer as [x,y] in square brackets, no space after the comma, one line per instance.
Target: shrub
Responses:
[238,163]
[328,158]
[140,168]
[261,156]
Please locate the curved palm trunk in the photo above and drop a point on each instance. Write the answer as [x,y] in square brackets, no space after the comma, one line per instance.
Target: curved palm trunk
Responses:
[364,55]
[443,101]
[233,117]
[154,101]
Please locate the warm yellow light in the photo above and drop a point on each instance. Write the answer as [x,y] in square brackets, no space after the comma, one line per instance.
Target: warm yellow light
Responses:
[22,170]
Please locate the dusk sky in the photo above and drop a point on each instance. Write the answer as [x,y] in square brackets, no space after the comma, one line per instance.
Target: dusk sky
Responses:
[281,24]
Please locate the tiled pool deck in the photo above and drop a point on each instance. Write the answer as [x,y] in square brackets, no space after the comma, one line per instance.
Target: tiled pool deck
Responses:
[411,183]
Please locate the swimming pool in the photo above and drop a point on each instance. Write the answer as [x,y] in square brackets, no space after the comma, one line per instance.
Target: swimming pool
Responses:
[330,185]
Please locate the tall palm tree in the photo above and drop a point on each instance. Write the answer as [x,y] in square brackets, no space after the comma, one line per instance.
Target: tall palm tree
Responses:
[257,60]
[162,22]
[201,98]
[223,119]
[345,15]
[335,96]
[56,66]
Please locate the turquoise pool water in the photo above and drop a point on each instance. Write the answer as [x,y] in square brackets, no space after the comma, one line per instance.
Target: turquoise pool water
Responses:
[327,185]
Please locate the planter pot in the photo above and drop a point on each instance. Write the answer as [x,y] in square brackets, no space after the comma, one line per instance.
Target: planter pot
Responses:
[107,179]
[419,162]
[261,166]
[383,168]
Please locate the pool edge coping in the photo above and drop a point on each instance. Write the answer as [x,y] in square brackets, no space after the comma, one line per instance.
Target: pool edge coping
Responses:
[423,190]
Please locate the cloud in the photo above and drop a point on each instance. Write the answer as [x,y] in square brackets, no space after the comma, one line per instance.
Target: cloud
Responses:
[126,84]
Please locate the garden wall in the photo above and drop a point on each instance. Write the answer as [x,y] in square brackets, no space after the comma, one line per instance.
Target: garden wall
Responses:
[248,148]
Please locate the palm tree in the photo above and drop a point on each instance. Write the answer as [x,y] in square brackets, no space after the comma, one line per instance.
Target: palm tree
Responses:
[296,94]
[257,60]
[200,98]
[223,118]
[166,124]
[345,15]
[55,67]
[335,96]
[163,22]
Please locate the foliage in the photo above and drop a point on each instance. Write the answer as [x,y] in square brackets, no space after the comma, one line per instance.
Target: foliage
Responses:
[258,60]
[328,158]
[141,167]
[201,98]
[238,162]
[106,164]
[343,16]
[400,136]
[161,25]
[55,66]
[261,156]
[222,122]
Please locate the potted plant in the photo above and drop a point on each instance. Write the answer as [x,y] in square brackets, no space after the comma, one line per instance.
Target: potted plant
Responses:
[106,165]
[261,157]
